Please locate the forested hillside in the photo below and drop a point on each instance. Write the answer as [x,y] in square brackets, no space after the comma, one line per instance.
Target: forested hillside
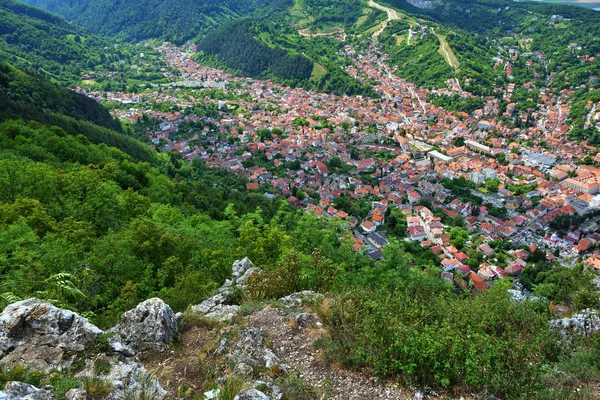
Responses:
[33,98]
[174,20]
[235,45]
[42,42]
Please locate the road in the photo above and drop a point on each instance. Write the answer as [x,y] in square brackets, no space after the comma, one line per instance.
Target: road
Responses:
[392,15]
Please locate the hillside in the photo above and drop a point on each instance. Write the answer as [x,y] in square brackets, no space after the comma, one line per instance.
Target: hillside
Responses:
[32,98]
[174,20]
[38,41]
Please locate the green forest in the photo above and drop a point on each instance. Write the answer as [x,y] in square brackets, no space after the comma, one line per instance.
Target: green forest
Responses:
[235,45]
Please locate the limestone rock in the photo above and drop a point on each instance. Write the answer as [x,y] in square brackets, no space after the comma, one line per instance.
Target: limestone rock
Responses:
[240,267]
[250,350]
[24,391]
[149,326]
[221,306]
[585,323]
[76,394]
[39,334]
[296,299]
[129,379]
[251,394]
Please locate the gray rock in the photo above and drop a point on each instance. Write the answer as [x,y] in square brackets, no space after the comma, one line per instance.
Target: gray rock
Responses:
[585,323]
[251,394]
[129,379]
[76,394]
[297,299]
[242,369]
[240,267]
[222,349]
[116,344]
[220,306]
[149,326]
[24,391]
[250,349]
[39,334]
[268,388]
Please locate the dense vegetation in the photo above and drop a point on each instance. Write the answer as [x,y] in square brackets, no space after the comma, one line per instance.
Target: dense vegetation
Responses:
[33,98]
[36,40]
[235,45]
[174,20]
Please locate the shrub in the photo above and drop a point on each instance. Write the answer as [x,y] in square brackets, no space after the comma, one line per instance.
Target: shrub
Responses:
[96,387]
[294,387]
[231,387]
[435,338]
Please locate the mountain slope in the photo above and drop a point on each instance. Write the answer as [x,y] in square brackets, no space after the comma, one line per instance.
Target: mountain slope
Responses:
[174,20]
[37,40]
[24,96]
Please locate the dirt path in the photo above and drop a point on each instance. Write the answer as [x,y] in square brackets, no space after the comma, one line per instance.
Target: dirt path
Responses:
[338,31]
[447,52]
[295,347]
[391,16]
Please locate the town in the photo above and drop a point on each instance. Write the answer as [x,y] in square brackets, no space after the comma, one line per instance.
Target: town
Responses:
[482,195]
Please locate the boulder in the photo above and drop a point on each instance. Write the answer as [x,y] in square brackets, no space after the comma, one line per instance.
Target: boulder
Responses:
[240,267]
[251,394]
[250,349]
[39,334]
[24,391]
[129,379]
[150,326]
[221,306]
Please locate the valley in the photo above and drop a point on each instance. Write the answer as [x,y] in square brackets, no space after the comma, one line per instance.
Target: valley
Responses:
[299,200]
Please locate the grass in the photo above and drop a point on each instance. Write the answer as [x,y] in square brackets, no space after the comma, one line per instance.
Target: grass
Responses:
[96,387]
[447,52]
[19,373]
[231,387]
[295,388]
[318,71]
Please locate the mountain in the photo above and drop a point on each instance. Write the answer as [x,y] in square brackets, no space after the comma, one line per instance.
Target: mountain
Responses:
[45,43]
[173,20]
[33,98]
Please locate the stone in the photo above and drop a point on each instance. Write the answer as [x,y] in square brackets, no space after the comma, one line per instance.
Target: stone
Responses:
[250,349]
[76,394]
[212,394]
[586,323]
[24,391]
[251,394]
[297,299]
[220,307]
[38,334]
[129,379]
[240,267]
[242,369]
[150,326]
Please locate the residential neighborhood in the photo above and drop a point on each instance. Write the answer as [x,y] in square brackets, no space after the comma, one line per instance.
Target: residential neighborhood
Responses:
[482,195]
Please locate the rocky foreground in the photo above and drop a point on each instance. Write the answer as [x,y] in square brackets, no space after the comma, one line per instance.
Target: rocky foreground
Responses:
[154,353]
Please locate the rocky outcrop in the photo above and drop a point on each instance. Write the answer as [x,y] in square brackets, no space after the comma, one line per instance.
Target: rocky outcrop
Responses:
[585,323]
[298,298]
[41,335]
[128,378]
[152,325]
[220,306]
[23,391]
[251,394]
[250,351]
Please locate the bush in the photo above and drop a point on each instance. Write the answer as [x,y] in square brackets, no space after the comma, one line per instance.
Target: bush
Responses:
[427,337]
[293,387]
[97,388]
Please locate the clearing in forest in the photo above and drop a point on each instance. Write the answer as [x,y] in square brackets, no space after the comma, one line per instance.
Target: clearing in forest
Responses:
[447,52]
